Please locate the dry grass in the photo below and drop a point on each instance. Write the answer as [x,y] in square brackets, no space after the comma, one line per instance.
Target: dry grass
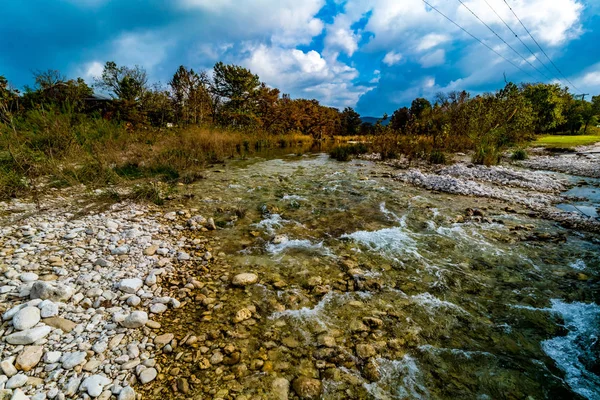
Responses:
[62,150]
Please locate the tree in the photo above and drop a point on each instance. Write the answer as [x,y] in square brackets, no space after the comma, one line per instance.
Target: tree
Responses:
[350,122]
[123,82]
[548,102]
[8,99]
[53,88]
[236,87]
[400,119]
[190,95]
[419,107]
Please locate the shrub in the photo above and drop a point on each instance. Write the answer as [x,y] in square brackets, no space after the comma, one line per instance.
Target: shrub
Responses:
[519,154]
[437,157]
[345,153]
[486,154]
[148,192]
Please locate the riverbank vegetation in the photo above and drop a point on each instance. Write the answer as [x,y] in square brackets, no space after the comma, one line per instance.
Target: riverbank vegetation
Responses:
[63,131]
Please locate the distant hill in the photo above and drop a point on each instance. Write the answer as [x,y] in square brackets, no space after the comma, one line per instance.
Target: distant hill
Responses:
[373,120]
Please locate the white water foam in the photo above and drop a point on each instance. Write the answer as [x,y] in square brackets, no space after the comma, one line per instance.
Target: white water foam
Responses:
[403,376]
[269,224]
[468,354]
[316,313]
[298,244]
[578,265]
[433,303]
[582,320]
[391,242]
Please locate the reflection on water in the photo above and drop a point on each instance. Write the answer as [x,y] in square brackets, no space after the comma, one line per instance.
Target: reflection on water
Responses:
[466,309]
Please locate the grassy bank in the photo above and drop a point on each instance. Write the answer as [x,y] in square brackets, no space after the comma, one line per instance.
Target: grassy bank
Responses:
[48,149]
[566,141]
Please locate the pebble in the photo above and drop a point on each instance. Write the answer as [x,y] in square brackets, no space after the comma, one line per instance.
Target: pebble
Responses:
[94,385]
[244,279]
[158,308]
[26,318]
[16,381]
[136,319]
[148,375]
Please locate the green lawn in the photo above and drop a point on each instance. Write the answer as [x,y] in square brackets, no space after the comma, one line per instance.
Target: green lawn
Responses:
[566,141]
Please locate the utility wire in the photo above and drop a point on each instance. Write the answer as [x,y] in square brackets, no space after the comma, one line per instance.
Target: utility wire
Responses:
[504,41]
[538,45]
[479,40]
[522,42]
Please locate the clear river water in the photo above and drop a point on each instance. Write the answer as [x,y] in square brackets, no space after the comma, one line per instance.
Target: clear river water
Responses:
[452,296]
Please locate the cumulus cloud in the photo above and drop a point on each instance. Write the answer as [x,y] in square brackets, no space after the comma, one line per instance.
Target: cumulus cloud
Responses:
[340,36]
[392,58]
[288,22]
[305,74]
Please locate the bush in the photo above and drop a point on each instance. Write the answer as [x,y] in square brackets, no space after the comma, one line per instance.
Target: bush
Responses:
[486,154]
[345,153]
[519,154]
[437,157]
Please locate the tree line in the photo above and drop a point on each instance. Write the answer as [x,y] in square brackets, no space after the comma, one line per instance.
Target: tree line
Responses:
[232,96]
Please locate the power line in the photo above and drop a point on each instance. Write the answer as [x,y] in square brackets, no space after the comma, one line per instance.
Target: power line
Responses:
[522,42]
[504,41]
[479,40]
[538,45]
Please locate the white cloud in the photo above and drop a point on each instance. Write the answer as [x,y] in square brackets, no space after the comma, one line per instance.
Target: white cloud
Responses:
[340,36]
[92,70]
[305,74]
[433,59]
[287,22]
[392,58]
[432,40]
[589,80]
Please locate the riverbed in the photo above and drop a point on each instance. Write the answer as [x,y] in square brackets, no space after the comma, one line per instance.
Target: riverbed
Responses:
[379,289]
[296,276]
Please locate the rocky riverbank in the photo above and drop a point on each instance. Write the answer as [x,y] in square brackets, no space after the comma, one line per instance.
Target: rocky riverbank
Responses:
[80,298]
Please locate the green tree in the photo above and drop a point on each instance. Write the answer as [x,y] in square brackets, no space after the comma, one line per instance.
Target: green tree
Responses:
[235,86]
[124,83]
[400,119]
[349,122]
[419,107]
[190,96]
[548,102]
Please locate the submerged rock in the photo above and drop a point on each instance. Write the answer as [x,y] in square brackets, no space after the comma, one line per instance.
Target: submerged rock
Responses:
[244,279]
[307,388]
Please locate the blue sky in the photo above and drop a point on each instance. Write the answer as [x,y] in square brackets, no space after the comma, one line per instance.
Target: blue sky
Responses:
[373,55]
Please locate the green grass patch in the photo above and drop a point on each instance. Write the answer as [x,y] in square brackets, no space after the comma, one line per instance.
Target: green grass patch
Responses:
[566,141]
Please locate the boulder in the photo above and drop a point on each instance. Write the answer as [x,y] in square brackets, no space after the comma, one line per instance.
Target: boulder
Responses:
[94,385]
[60,323]
[131,285]
[307,388]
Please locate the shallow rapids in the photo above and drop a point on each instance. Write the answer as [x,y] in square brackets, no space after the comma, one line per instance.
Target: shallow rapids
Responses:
[384,290]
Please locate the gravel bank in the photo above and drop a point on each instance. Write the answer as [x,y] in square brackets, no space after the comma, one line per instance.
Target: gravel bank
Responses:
[79,298]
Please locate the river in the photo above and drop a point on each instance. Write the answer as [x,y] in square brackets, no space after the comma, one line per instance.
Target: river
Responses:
[379,289]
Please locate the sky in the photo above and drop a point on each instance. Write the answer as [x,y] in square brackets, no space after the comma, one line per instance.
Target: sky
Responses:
[372,55]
